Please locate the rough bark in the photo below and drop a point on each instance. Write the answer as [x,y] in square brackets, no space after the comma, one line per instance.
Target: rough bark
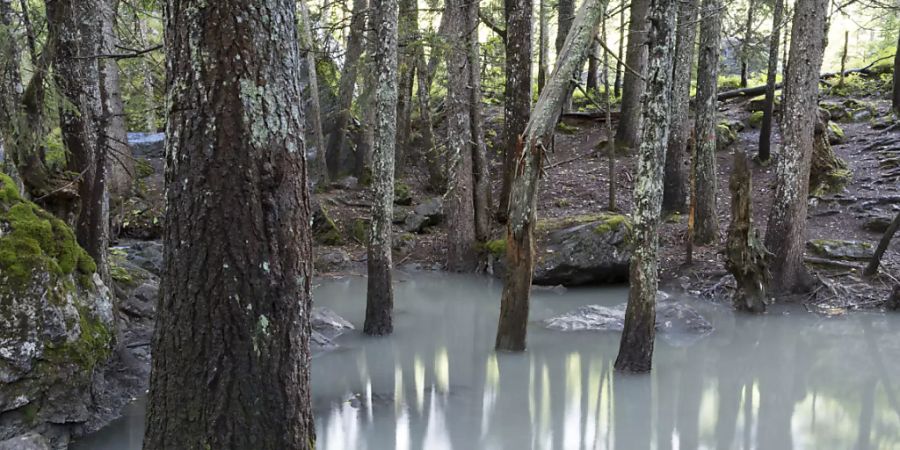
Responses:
[564,12]
[628,132]
[706,224]
[765,133]
[149,92]
[787,218]
[537,139]
[611,144]
[434,157]
[745,254]
[408,41]
[617,88]
[120,164]
[592,84]
[480,165]
[636,345]
[315,139]
[380,293]
[677,157]
[745,43]
[347,86]
[543,44]
[895,91]
[231,345]
[10,89]
[517,101]
[872,267]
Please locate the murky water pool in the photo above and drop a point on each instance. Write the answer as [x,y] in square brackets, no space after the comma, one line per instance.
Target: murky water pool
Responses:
[788,379]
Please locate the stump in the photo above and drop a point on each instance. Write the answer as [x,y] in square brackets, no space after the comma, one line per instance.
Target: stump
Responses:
[828,173]
[745,254]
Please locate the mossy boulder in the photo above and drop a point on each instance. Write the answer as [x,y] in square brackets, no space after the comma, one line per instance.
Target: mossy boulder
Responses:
[402,194]
[840,249]
[56,323]
[848,110]
[756,119]
[725,136]
[325,231]
[758,103]
[835,133]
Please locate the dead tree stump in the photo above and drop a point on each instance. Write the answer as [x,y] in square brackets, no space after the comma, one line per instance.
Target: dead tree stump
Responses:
[745,254]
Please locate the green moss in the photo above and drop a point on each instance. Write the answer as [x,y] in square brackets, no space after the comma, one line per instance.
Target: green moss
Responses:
[119,274]
[359,230]
[402,193]
[836,129]
[613,222]
[496,247]
[93,345]
[756,118]
[610,221]
[326,231]
[565,128]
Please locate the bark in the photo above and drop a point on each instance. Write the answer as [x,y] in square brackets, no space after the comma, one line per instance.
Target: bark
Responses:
[565,9]
[84,118]
[677,157]
[611,144]
[844,58]
[620,54]
[537,139]
[787,218]
[120,164]
[315,139]
[543,44]
[745,44]
[745,254]
[231,346]
[517,102]
[149,92]
[636,345]
[765,133]
[872,267]
[346,88]
[434,157]
[10,92]
[706,224]
[380,293]
[895,91]
[366,103]
[592,84]
[408,41]
[480,165]
[628,132]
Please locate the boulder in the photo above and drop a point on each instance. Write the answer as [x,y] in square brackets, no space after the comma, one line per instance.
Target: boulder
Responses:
[147,145]
[427,214]
[755,120]
[838,249]
[147,255]
[726,134]
[877,224]
[326,326]
[593,252]
[331,259]
[402,194]
[835,133]
[27,441]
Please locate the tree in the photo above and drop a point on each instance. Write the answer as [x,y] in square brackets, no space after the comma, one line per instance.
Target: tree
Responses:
[543,44]
[10,88]
[636,345]
[706,224]
[536,140]
[231,346]
[120,164]
[347,86]
[314,136]
[765,133]
[629,129]
[380,292]
[895,91]
[517,100]
[677,156]
[480,164]
[745,43]
[872,267]
[787,218]
[408,37]
[745,254]
[565,9]
[617,85]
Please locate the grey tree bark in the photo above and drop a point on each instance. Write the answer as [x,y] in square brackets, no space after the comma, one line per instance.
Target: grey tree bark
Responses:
[517,100]
[706,223]
[408,38]
[10,93]
[346,88]
[628,131]
[543,44]
[231,345]
[537,139]
[120,164]
[895,90]
[745,254]
[315,139]
[617,85]
[787,219]
[745,44]
[564,12]
[592,84]
[480,165]
[636,345]
[765,133]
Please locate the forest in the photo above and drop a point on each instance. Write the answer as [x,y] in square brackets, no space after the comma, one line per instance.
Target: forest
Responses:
[439,224]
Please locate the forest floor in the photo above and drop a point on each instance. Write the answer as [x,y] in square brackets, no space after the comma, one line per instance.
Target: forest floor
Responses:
[576,183]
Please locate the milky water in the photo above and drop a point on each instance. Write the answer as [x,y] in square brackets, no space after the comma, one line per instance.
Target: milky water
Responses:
[788,379]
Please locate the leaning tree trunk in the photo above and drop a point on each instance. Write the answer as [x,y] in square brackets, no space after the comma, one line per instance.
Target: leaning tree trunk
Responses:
[543,44]
[480,166]
[895,91]
[231,345]
[765,133]
[380,293]
[745,254]
[628,132]
[636,345]
[315,138]
[787,218]
[745,45]
[76,27]
[536,140]
[872,267]
[517,101]
[706,224]
[677,157]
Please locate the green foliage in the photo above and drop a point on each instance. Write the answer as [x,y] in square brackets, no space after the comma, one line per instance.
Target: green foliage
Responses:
[565,128]
[496,247]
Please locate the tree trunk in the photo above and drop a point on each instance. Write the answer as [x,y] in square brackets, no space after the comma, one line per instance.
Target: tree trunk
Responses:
[636,345]
[10,97]
[312,108]
[844,58]
[231,345]
[543,44]
[677,157]
[765,133]
[745,45]
[434,157]
[78,74]
[366,103]
[380,293]
[787,218]
[565,9]
[120,164]
[591,85]
[872,267]
[895,91]
[149,92]
[537,139]
[408,41]
[620,54]
[745,254]
[346,88]
[480,165]
[706,224]
[611,144]
[517,102]
[628,132]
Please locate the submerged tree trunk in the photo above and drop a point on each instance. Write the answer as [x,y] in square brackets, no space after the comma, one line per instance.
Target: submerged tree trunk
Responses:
[706,224]
[628,132]
[313,109]
[543,44]
[517,100]
[677,157]
[745,45]
[636,345]
[746,256]
[787,218]
[347,86]
[872,267]
[765,133]
[536,140]
[380,292]
[231,345]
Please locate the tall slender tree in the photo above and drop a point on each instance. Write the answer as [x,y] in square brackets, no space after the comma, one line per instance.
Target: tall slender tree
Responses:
[628,131]
[706,223]
[895,91]
[636,345]
[765,133]
[517,103]
[120,164]
[315,139]
[745,43]
[408,41]
[617,85]
[543,44]
[480,165]
[347,86]
[231,345]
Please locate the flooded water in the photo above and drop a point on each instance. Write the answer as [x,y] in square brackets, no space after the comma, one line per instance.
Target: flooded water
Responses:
[788,379]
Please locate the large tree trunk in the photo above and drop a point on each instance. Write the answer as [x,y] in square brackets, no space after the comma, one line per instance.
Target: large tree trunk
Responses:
[636,345]
[231,344]
[536,140]
[77,27]
[746,256]
[10,89]
[895,92]
[628,132]
[380,293]
[677,157]
[480,165]
[745,44]
[120,164]
[765,133]
[787,218]
[543,44]
[408,42]
[337,137]
[592,84]
[517,102]
[706,224]
[315,139]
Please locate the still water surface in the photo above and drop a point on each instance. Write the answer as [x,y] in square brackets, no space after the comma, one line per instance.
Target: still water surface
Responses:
[788,379]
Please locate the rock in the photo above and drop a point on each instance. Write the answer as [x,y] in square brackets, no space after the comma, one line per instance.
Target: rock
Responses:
[759,102]
[755,120]
[141,301]
[836,110]
[331,259]
[428,214]
[404,243]
[877,224]
[147,255]
[884,122]
[147,145]
[725,136]
[835,133]
[861,115]
[346,183]
[592,252]
[838,249]
[324,230]
[27,441]
[326,326]
[402,194]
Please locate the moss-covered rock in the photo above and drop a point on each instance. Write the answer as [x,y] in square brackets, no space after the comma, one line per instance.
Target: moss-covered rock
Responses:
[725,136]
[840,249]
[325,231]
[835,133]
[402,194]
[359,230]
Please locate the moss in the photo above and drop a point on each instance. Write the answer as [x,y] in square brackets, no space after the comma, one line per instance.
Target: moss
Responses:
[565,128]
[836,129]
[610,221]
[119,274]
[613,222]
[756,118]
[326,231]
[92,346]
[402,193]
[143,169]
[359,230]
[496,247]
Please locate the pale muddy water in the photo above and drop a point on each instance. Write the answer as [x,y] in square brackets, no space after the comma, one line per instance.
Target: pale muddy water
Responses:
[788,379]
